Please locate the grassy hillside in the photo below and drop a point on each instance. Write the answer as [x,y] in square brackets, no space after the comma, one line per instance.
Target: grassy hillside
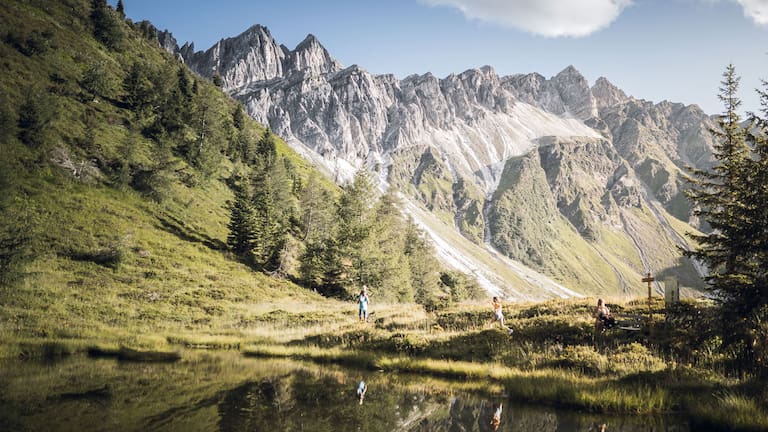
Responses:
[577,233]
[113,229]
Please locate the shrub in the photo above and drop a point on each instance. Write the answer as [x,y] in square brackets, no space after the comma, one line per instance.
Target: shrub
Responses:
[634,358]
[582,358]
[408,343]
[36,113]
[34,43]
[111,256]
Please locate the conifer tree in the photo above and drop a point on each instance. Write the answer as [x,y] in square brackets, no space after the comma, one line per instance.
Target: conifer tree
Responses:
[273,202]
[316,219]
[238,117]
[138,87]
[718,193]
[106,25]
[317,228]
[269,233]
[424,267]
[242,222]
[354,217]
[385,266]
[724,197]
[755,280]
[266,150]
[36,113]
[95,81]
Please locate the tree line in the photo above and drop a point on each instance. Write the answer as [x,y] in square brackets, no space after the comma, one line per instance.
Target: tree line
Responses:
[334,242]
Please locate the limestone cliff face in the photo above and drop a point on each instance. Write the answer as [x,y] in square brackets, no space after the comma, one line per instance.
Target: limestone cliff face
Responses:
[253,56]
[604,168]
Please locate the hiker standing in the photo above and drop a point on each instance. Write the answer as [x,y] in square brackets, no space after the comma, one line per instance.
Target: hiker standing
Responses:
[363,300]
[361,389]
[498,314]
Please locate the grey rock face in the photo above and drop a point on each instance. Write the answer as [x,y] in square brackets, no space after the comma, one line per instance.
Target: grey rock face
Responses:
[310,58]
[252,56]
[167,41]
[599,150]
[575,93]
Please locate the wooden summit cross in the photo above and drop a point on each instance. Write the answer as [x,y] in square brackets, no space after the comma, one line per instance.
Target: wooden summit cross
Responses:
[648,278]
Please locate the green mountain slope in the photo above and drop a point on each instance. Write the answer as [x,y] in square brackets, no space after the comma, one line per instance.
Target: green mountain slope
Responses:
[114,198]
[590,225]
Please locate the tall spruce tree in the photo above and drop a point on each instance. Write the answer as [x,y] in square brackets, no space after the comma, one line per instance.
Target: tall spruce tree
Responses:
[37,111]
[242,222]
[107,26]
[354,212]
[424,267]
[316,218]
[722,197]
[273,202]
[386,268]
[269,234]
[317,228]
[755,290]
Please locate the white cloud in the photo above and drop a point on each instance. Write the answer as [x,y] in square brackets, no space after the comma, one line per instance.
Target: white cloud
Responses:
[551,18]
[757,10]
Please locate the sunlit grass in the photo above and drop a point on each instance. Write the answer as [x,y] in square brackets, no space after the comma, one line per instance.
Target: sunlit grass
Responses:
[730,410]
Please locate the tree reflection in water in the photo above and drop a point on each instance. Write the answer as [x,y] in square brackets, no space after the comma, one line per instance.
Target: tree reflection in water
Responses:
[226,392]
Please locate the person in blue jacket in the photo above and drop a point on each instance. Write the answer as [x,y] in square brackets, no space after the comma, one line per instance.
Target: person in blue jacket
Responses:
[363,301]
[361,389]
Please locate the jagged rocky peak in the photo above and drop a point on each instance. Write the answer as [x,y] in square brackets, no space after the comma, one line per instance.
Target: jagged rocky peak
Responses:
[485,72]
[575,93]
[167,41]
[606,94]
[475,78]
[251,56]
[527,87]
[478,86]
[310,56]
[187,50]
[427,83]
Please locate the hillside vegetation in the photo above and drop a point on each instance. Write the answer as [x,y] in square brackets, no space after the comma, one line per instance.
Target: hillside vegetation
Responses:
[114,199]
[137,197]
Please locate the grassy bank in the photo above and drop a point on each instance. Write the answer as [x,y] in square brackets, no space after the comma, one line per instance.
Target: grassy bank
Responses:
[550,359]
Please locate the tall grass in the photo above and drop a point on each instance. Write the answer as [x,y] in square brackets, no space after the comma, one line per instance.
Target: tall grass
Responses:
[729,410]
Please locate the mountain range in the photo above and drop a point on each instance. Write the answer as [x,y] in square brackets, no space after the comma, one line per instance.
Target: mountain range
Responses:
[539,187]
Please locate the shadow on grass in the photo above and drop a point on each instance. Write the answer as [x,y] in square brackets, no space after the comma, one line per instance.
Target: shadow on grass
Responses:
[178,228]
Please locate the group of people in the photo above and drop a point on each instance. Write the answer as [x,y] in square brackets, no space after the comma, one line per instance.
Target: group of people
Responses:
[603,318]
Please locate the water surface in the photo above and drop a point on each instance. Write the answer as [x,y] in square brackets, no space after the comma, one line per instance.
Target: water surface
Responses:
[226,392]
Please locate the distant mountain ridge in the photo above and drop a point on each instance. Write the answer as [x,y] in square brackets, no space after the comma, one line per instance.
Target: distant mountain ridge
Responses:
[578,182]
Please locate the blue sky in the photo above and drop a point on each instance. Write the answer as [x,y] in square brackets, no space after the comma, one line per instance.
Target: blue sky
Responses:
[653,49]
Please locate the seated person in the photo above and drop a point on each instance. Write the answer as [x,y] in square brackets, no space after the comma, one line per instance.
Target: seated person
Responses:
[603,318]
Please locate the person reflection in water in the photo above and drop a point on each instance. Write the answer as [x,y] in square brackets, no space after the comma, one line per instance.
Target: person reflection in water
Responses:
[496,418]
[361,389]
